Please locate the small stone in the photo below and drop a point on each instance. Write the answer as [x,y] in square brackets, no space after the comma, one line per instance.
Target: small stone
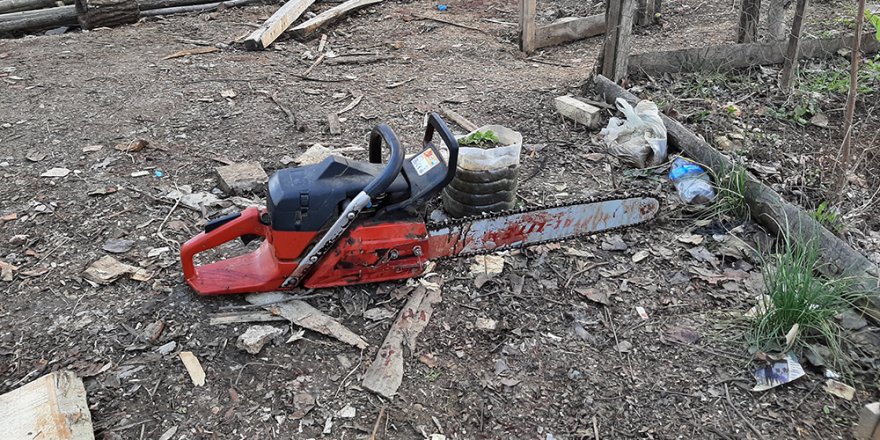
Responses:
[851,320]
[117,245]
[486,324]
[167,348]
[346,413]
[255,337]
[614,243]
[623,347]
[240,178]
[56,172]
[723,143]
[18,240]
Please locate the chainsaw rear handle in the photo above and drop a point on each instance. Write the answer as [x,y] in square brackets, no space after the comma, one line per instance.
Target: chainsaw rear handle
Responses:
[248,223]
[383,132]
[435,123]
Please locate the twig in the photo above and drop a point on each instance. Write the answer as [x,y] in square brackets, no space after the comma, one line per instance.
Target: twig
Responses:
[342,382]
[595,427]
[748,423]
[549,63]
[351,105]
[290,116]
[586,269]
[165,220]
[451,23]
[376,425]
[326,80]
[398,84]
[315,64]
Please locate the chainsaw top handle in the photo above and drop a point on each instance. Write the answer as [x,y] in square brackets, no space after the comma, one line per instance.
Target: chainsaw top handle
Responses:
[383,132]
[437,124]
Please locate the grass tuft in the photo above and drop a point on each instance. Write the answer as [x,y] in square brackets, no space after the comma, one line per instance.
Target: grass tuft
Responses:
[796,295]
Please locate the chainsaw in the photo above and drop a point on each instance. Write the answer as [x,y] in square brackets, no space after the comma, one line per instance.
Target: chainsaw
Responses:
[342,222]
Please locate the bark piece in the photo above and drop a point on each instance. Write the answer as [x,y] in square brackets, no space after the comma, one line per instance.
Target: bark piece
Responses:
[310,26]
[264,35]
[569,29]
[304,315]
[385,374]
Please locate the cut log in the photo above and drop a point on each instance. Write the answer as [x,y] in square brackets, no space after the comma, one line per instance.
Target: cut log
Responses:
[732,56]
[7,6]
[51,407]
[580,112]
[39,19]
[837,259]
[527,26]
[309,27]
[264,35]
[569,29]
[204,7]
[106,13]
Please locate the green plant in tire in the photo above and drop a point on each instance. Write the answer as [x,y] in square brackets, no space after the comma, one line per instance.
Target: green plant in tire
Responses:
[480,139]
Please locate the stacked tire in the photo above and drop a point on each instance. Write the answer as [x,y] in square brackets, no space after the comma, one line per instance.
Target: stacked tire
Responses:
[486,179]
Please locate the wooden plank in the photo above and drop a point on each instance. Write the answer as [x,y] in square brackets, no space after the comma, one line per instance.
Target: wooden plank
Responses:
[51,407]
[577,111]
[264,35]
[527,25]
[747,30]
[792,53]
[732,56]
[331,15]
[569,29]
[836,258]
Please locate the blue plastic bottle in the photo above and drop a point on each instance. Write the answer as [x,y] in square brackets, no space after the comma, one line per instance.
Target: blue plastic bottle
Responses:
[691,181]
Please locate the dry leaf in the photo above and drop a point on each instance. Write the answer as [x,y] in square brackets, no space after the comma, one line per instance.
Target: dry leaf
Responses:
[193,51]
[640,255]
[6,271]
[594,295]
[839,389]
[133,146]
[690,238]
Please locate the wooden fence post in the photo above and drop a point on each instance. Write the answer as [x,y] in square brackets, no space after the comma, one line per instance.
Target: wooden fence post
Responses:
[747,31]
[794,45]
[614,58]
[527,25]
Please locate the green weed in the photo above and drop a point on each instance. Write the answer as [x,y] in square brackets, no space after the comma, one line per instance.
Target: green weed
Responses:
[828,218]
[731,194]
[480,139]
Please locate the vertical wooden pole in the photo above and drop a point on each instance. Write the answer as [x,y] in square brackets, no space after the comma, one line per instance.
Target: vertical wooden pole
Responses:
[792,54]
[747,31]
[619,18]
[648,12]
[843,168]
[776,20]
[527,25]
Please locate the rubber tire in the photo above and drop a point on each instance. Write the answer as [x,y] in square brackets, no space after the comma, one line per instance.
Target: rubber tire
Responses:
[457,209]
[483,188]
[480,199]
[486,176]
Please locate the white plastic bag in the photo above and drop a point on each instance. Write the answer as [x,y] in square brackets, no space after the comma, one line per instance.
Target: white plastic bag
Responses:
[640,138]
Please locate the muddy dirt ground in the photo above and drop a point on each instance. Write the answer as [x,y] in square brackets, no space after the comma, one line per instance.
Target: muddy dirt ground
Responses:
[557,366]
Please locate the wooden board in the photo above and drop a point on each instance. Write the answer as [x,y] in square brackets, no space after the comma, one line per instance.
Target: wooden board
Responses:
[527,29]
[569,29]
[264,35]
[53,407]
[732,56]
[331,15]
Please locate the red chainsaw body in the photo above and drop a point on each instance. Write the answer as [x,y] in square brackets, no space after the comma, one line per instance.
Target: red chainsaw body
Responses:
[368,253]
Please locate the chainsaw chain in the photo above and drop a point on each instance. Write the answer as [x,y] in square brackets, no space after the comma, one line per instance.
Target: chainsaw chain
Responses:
[453,222]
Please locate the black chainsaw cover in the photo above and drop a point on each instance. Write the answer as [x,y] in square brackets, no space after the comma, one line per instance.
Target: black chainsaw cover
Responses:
[307,198]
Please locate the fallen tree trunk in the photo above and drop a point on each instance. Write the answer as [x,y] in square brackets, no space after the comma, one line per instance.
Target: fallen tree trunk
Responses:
[7,6]
[93,14]
[39,19]
[732,56]
[28,21]
[837,259]
[569,29]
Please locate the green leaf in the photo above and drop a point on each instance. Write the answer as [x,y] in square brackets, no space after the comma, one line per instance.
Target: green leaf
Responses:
[874,19]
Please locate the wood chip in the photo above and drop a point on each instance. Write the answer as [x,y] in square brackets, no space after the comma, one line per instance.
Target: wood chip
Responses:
[133,146]
[51,407]
[193,367]
[304,315]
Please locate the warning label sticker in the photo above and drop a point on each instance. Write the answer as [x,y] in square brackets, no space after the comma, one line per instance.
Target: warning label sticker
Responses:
[425,161]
